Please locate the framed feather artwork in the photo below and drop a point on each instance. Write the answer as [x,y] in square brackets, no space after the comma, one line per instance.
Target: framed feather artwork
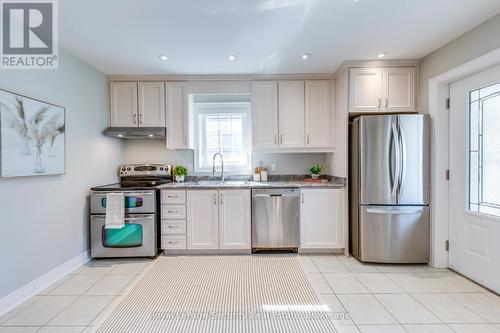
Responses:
[32,137]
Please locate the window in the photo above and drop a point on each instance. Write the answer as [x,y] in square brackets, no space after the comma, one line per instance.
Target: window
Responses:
[484,150]
[222,127]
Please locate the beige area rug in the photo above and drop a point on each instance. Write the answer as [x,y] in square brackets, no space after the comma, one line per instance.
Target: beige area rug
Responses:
[221,294]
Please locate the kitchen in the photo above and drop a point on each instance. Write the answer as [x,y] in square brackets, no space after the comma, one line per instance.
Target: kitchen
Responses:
[311,183]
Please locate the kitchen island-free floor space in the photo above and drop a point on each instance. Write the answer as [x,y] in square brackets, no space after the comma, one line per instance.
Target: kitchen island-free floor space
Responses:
[358,297]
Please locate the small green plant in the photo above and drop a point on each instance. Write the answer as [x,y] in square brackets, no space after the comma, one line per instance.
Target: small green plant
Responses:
[180,170]
[316,169]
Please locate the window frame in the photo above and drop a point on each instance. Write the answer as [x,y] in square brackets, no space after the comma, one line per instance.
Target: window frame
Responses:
[227,107]
[481,207]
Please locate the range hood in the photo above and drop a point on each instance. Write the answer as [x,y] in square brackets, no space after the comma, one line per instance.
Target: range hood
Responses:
[136,132]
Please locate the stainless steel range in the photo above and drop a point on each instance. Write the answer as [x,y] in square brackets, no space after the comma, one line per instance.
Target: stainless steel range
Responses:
[138,237]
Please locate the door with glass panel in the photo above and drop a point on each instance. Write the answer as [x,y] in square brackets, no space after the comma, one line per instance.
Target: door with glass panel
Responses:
[475,177]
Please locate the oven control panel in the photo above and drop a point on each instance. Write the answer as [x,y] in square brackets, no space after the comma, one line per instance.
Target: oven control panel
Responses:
[160,170]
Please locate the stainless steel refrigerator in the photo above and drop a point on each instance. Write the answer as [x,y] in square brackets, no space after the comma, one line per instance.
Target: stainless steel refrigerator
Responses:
[389,188]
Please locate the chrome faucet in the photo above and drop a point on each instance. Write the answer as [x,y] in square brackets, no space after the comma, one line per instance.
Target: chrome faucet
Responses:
[222,166]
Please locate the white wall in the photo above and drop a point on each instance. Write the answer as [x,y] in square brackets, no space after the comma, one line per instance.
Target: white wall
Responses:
[44,220]
[155,151]
[478,41]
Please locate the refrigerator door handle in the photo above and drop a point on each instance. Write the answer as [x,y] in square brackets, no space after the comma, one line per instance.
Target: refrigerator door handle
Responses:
[402,159]
[391,211]
[395,182]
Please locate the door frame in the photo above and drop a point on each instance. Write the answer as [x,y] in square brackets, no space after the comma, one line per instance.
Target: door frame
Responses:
[439,91]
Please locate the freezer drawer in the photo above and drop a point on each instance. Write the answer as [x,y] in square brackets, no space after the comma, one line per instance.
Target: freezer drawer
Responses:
[394,234]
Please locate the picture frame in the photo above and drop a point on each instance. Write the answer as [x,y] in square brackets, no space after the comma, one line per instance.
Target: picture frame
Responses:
[32,137]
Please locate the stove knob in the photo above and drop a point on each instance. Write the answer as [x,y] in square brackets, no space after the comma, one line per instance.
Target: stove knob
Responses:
[161,168]
[128,169]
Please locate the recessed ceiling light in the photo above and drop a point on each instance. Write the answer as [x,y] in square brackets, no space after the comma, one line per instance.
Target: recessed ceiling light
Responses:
[356,0]
[163,57]
[381,54]
[232,57]
[306,56]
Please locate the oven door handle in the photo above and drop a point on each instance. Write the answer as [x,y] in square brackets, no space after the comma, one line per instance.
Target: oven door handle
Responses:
[102,217]
[126,194]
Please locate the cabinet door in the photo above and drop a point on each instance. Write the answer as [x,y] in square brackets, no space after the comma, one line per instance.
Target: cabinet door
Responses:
[320,219]
[365,89]
[177,116]
[264,114]
[291,114]
[234,219]
[202,219]
[123,100]
[318,113]
[151,104]
[399,89]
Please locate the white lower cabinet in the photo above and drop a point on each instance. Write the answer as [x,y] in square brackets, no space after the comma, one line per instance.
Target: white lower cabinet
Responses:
[234,219]
[202,219]
[218,219]
[321,219]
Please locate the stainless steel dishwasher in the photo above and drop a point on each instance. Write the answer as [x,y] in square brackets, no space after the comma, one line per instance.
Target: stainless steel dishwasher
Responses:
[275,219]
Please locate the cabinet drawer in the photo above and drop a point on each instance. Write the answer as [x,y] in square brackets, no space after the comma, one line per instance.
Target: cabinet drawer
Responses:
[173,197]
[173,227]
[173,212]
[173,242]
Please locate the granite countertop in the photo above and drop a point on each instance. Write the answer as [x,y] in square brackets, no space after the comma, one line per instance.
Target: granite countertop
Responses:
[244,182]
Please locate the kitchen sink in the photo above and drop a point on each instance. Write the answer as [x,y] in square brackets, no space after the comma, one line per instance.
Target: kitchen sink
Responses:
[224,183]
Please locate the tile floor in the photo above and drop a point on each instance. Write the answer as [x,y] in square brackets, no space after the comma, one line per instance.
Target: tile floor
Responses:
[377,298]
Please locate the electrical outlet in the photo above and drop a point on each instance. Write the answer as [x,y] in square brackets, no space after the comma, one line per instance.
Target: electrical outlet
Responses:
[273,167]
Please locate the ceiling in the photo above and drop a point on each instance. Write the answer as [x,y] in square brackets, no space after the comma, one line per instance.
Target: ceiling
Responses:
[268,36]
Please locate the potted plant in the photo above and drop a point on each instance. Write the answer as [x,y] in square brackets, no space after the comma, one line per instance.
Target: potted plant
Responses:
[180,172]
[316,170]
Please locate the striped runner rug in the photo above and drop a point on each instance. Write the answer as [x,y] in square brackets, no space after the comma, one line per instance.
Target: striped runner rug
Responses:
[255,293]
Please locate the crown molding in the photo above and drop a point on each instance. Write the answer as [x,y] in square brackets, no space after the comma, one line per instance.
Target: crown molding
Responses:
[374,63]
[229,77]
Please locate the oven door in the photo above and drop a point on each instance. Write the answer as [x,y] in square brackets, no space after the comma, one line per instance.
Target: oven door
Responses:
[135,202]
[136,239]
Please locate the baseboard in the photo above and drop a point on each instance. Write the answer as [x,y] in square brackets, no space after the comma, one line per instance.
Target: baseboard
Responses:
[22,294]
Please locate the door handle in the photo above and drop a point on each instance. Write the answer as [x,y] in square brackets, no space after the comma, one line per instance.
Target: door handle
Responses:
[386,103]
[135,118]
[394,211]
[307,137]
[302,197]
[402,158]
[140,118]
[379,103]
[395,177]
[215,198]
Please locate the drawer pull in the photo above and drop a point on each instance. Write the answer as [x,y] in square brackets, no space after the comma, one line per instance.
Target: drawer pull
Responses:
[171,227]
[173,211]
[173,242]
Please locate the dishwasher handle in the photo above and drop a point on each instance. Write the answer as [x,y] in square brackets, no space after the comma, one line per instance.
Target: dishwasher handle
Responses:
[273,195]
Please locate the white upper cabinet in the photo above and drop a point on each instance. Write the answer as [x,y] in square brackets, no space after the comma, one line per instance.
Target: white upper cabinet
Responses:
[388,89]
[365,89]
[291,114]
[399,89]
[318,113]
[151,104]
[177,116]
[265,114]
[123,100]
[202,219]
[321,219]
[234,219]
